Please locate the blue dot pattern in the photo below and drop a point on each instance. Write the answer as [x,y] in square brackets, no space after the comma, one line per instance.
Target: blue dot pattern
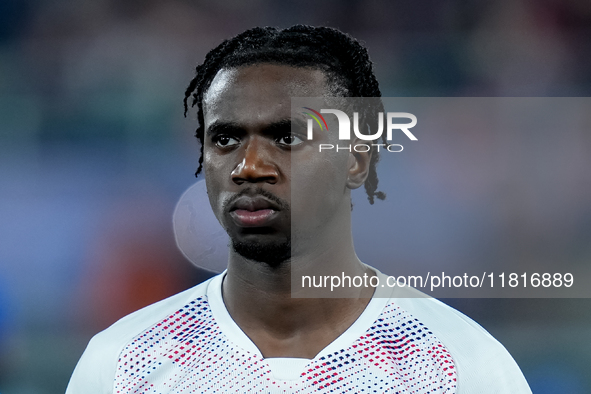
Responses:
[188,353]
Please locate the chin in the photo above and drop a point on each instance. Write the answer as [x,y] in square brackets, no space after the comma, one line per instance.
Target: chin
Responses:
[271,253]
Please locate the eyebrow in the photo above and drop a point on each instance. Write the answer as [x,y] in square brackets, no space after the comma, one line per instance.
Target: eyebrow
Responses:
[278,127]
[221,127]
[218,127]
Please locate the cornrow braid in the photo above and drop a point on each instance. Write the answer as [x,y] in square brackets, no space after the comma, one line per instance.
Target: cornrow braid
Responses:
[342,58]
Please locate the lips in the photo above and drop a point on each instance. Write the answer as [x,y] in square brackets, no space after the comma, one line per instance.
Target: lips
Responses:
[253,211]
[259,218]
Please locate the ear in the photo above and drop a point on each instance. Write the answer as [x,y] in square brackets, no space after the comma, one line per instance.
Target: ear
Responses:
[358,165]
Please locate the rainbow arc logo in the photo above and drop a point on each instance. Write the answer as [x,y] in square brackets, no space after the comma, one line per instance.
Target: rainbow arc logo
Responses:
[315,116]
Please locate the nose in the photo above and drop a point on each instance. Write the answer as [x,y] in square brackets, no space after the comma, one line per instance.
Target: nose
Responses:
[257,164]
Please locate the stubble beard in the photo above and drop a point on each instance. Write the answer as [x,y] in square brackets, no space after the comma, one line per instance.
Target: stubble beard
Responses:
[272,254]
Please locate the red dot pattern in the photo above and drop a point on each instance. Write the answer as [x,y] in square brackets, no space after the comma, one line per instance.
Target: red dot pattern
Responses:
[186,352]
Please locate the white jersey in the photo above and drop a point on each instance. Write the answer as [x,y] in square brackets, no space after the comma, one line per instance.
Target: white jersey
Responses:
[188,343]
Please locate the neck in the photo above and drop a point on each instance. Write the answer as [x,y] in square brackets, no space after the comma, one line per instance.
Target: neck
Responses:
[259,298]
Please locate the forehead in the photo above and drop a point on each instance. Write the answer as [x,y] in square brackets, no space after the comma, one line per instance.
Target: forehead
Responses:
[261,91]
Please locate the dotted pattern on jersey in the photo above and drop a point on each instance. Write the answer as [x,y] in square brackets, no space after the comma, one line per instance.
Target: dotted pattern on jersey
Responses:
[187,353]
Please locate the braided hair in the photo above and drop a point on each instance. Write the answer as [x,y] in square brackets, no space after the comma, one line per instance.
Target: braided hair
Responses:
[344,61]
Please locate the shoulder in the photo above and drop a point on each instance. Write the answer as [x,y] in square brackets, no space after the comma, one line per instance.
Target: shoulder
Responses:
[483,364]
[95,370]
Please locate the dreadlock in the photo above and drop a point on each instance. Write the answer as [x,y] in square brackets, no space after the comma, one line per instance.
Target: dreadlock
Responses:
[342,58]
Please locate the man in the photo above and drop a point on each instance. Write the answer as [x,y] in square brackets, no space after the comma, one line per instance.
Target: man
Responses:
[242,331]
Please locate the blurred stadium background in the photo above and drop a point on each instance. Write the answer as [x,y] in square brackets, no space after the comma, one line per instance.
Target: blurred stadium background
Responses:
[95,153]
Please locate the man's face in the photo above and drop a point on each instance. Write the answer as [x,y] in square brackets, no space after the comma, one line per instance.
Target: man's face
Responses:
[261,173]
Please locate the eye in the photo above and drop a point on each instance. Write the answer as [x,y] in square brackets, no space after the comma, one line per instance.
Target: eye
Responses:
[290,139]
[224,141]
